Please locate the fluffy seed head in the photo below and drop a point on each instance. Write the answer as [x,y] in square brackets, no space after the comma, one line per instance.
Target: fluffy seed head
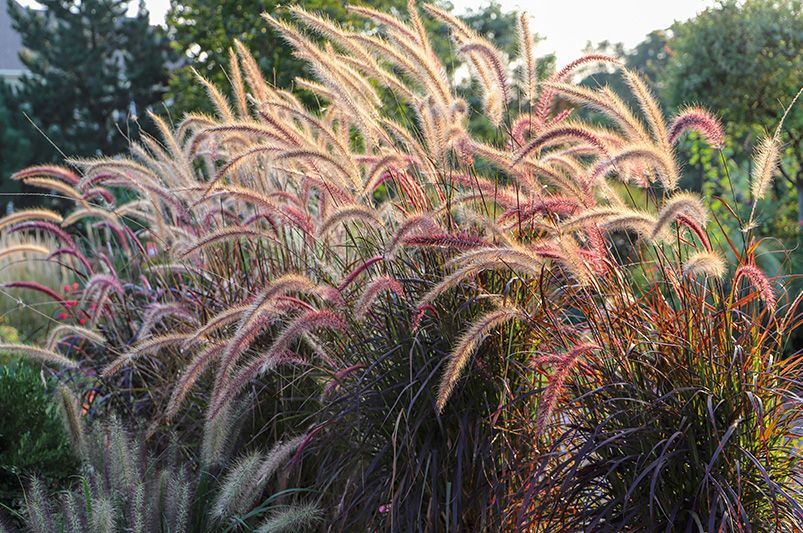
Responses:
[699,120]
[765,164]
[705,263]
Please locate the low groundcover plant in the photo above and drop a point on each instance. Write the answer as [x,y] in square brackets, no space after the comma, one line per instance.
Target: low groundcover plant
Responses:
[362,316]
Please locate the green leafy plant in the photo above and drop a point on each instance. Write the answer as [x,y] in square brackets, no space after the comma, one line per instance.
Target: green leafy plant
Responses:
[33,440]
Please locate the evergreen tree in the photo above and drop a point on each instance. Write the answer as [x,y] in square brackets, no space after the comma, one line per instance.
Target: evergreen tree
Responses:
[15,145]
[93,71]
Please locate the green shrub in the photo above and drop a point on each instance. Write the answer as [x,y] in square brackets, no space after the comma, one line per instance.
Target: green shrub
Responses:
[32,437]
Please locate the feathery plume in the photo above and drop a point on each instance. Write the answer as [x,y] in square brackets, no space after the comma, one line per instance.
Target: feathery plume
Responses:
[91,212]
[217,434]
[238,487]
[411,224]
[69,330]
[24,215]
[681,203]
[279,454]
[307,321]
[104,516]
[345,213]
[38,287]
[224,234]
[699,120]
[39,354]
[51,171]
[294,518]
[192,372]
[526,45]
[217,98]
[155,313]
[59,186]
[46,227]
[547,96]
[24,249]
[491,56]
[765,164]
[604,101]
[143,348]
[564,364]
[659,159]
[705,263]
[220,320]
[365,265]
[758,280]
[461,241]
[468,344]
[74,253]
[39,512]
[253,73]
[71,415]
[614,218]
[560,134]
[373,289]
[649,105]
[238,88]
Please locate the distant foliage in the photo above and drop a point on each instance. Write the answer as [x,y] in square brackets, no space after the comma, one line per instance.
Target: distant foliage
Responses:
[708,66]
[93,72]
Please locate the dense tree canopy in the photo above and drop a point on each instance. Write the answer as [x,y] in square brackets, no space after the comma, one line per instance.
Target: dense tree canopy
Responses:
[15,142]
[202,32]
[93,71]
[744,60]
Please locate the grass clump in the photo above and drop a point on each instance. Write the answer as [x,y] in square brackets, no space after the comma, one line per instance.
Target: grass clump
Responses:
[458,332]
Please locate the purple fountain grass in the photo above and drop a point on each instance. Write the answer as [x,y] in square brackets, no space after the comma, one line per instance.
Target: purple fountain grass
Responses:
[243,250]
[190,376]
[143,348]
[38,287]
[46,227]
[560,134]
[759,281]
[373,289]
[545,100]
[563,364]
[699,120]
[40,354]
[468,344]
[51,171]
[362,267]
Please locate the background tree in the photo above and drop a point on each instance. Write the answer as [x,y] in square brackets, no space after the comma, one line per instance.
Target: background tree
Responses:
[202,31]
[649,58]
[15,144]
[93,71]
[744,60]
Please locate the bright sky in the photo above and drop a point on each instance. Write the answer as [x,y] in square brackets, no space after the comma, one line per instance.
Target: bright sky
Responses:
[568,25]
